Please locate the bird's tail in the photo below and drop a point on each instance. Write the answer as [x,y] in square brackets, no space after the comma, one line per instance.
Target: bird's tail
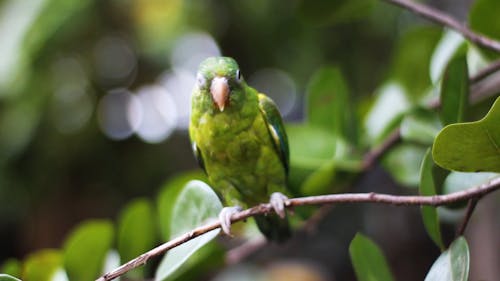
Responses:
[273,227]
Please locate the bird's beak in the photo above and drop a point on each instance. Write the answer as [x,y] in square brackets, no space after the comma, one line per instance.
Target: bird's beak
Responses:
[220,91]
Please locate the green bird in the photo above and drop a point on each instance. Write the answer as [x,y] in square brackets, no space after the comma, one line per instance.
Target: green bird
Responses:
[238,138]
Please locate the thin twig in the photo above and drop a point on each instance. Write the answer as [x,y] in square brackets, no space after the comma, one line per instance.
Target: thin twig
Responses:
[471,205]
[485,72]
[373,155]
[436,200]
[448,21]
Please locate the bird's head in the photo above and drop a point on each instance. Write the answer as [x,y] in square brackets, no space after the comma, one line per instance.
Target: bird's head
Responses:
[221,78]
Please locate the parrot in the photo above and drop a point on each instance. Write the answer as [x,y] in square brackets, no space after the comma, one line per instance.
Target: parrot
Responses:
[239,140]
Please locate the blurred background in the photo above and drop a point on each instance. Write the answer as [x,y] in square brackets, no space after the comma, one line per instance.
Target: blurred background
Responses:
[95,97]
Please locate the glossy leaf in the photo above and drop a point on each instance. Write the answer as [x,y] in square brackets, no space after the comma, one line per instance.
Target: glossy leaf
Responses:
[386,111]
[455,91]
[328,102]
[310,146]
[368,260]
[472,146]
[42,265]
[483,18]
[168,196]
[449,43]
[196,204]
[452,264]
[319,181]
[420,126]
[136,230]
[403,162]
[85,249]
[6,277]
[458,181]
[427,188]
[412,58]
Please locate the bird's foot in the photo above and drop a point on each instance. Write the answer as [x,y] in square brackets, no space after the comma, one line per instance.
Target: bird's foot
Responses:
[225,218]
[277,201]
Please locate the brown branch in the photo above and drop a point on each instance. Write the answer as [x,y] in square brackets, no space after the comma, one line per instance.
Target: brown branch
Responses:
[485,72]
[448,21]
[471,205]
[436,200]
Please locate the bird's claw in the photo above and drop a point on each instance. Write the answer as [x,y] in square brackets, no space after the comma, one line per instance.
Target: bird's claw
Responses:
[278,203]
[225,218]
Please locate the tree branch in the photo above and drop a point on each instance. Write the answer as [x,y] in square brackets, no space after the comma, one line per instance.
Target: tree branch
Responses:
[471,205]
[436,200]
[448,21]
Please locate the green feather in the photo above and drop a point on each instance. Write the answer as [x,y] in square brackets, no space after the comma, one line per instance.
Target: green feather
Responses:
[243,149]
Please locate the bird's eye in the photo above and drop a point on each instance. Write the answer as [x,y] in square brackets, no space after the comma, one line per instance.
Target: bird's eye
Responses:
[201,80]
[239,77]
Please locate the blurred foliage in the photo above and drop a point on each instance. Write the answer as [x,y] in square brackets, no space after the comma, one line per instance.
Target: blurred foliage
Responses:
[94,98]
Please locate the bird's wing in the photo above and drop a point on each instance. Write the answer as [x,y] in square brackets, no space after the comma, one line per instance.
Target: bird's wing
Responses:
[275,128]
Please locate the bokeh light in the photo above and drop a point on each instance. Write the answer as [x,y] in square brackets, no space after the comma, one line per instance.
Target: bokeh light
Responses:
[71,102]
[179,83]
[115,61]
[191,49]
[159,114]
[119,113]
[278,85]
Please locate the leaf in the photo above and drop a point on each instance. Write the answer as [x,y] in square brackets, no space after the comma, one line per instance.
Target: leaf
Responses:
[42,265]
[452,264]
[310,147]
[403,162]
[167,197]
[386,112]
[136,230]
[472,146]
[427,188]
[12,267]
[196,204]
[458,181]
[325,12]
[483,18]
[368,260]
[328,104]
[6,277]
[85,249]
[420,126]
[410,66]
[455,91]
[447,46]
[319,181]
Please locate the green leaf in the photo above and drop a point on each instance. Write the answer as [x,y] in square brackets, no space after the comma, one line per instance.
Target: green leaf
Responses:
[458,181]
[386,112]
[368,260]
[448,45]
[452,264]
[328,104]
[410,66]
[310,147]
[420,126]
[6,277]
[455,90]
[324,12]
[319,181]
[470,147]
[42,265]
[403,162]
[196,204]
[427,188]
[168,195]
[136,230]
[483,18]
[85,249]
[12,267]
